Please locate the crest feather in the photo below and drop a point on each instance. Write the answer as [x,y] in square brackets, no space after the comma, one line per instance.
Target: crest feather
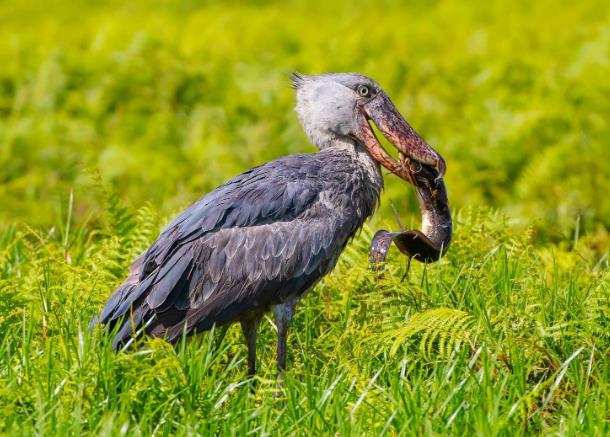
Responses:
[297,80]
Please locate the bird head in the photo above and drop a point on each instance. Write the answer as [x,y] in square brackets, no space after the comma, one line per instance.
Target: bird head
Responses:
[338,107]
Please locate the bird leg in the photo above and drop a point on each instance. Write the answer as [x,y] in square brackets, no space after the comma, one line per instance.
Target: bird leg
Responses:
[283,315]
[250,327]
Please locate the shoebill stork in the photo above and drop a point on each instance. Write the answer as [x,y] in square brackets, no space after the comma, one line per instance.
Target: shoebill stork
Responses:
[262,240]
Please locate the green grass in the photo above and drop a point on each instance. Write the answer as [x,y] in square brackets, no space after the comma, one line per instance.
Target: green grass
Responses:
[114,117]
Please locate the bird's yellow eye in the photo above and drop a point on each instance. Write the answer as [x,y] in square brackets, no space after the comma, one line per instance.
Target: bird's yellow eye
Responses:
[364,91]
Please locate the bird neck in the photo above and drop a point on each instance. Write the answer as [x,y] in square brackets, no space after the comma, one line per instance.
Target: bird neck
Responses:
[361,157]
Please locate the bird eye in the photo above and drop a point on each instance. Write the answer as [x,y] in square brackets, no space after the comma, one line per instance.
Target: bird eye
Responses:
[364,91]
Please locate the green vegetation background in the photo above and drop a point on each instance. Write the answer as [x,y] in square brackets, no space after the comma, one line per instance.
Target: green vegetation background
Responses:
[116,115]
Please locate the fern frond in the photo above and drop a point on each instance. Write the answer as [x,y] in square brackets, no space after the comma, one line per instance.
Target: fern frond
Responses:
[121,219]
[146,228]
[437,332]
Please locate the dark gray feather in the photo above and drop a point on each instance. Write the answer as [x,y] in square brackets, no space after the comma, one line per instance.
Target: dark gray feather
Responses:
[268,233]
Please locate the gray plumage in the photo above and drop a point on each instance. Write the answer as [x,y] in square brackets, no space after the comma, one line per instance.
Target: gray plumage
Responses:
[266,237]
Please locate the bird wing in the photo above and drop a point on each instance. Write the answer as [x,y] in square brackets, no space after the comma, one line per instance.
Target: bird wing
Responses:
[237,270]
[261,232]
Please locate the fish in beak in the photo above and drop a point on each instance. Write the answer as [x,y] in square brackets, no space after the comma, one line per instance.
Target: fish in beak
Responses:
[413,150]
[418,164]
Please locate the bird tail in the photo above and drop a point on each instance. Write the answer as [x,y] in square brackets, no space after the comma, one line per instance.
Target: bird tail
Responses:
[123,313]
[131,327]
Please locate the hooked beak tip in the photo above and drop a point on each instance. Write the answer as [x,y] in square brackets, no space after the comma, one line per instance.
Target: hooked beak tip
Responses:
[381,111]
[442,166]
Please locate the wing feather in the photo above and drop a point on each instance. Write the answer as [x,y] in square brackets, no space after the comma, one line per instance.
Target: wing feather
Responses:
[262,234]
